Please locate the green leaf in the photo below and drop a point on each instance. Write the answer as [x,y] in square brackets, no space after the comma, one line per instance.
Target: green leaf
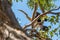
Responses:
[51,20]
[57,18]
[53,16]
[46,4]
[51,34]
[49,27]
[55,22]
[10,1]
[55,30]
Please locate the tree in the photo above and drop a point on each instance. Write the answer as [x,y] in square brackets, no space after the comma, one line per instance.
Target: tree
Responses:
[11,30]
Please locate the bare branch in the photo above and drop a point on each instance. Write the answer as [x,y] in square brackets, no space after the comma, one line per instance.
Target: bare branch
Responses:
[26,15]
[27,26]
[34,12]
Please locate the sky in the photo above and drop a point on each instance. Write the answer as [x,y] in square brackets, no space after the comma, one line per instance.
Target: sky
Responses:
[21,17]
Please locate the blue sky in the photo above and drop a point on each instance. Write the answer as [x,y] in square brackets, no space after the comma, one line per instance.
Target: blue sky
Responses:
[21,17]
[21,5]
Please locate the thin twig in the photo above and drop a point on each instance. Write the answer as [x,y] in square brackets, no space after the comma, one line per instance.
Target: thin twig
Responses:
[55,13]
[34,12]
[55,9]
[26,15]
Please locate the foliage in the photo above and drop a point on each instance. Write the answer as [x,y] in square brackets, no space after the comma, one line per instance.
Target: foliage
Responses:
[15,0]
[46,4]
[54,19]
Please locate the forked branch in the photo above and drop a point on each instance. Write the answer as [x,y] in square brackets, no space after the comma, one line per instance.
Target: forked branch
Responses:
[49,12]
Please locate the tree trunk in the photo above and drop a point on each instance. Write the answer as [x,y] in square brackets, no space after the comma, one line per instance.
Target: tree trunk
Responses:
[9,26]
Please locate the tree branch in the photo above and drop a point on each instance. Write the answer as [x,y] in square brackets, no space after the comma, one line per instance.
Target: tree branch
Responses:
[16,33]
[35,8]
[34,12]
[26,15]
[55,13]
[27,26]
[55,9]
[49,12]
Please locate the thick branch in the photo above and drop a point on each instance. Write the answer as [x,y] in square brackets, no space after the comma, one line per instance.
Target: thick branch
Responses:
[26,15]
[6,8]
[4,17]
[10,33]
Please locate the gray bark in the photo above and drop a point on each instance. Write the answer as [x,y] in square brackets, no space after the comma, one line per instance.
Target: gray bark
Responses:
[9,26]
